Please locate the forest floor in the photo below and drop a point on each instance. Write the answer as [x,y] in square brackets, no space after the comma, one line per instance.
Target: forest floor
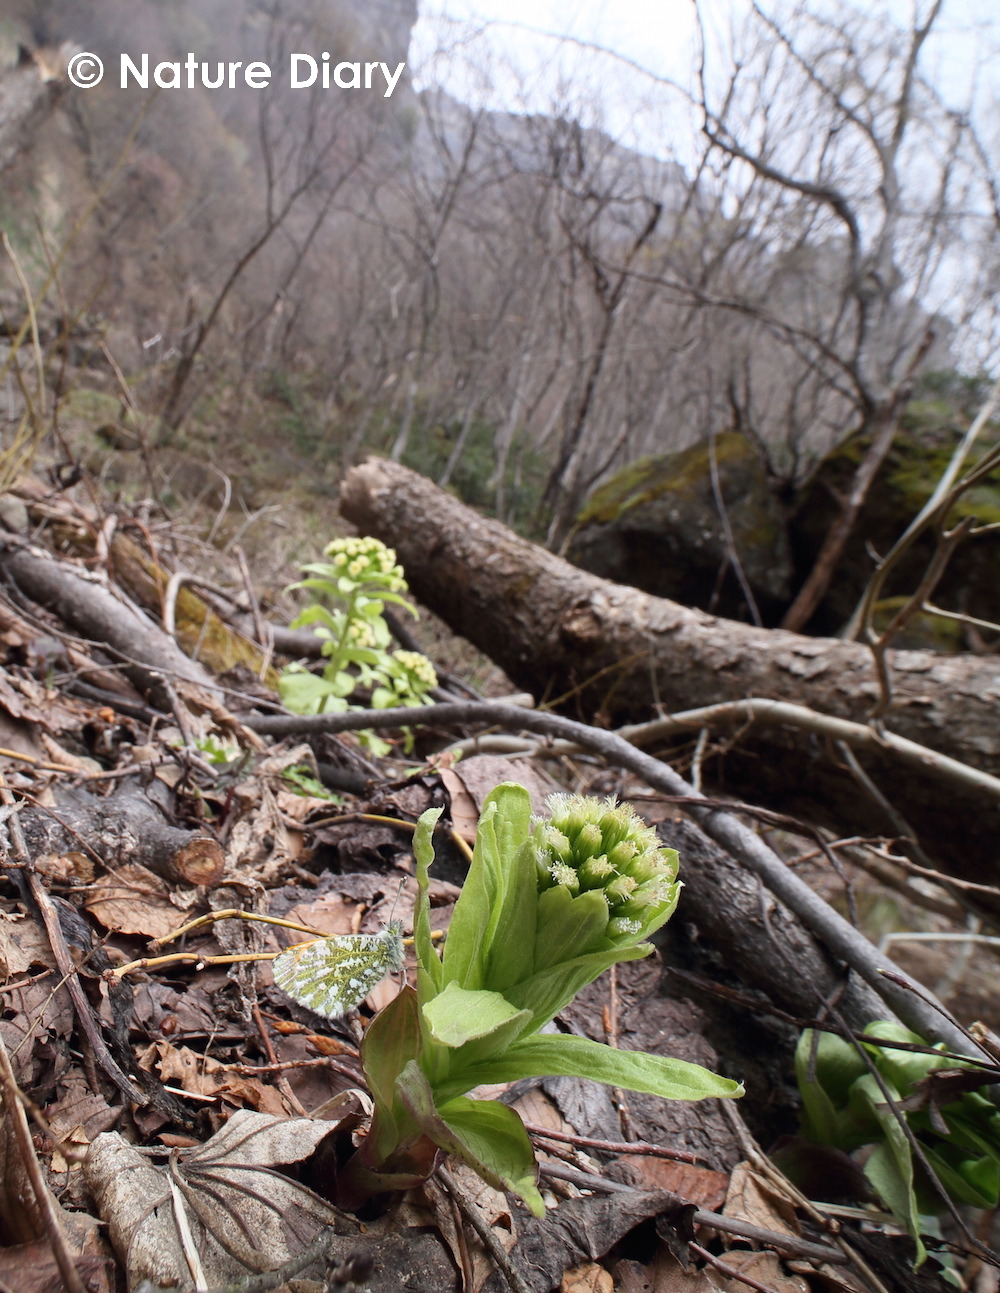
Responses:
[173,1120]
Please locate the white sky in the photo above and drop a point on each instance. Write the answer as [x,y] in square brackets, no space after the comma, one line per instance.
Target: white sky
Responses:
[528,71]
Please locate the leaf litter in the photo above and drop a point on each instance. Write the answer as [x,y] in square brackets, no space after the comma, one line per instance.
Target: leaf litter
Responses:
[215,1177]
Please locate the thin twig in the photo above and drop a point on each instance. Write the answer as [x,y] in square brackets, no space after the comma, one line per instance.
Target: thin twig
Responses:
[18,1122]
[493,1246]
[729,1272]
[642,1147]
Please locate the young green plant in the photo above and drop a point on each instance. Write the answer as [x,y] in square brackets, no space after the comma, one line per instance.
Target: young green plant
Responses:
[547,907]
[958,1129]
[352,588]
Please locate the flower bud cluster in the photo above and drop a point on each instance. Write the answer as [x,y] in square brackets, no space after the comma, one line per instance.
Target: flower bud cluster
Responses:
[417,676]
[592,844]
[366,560]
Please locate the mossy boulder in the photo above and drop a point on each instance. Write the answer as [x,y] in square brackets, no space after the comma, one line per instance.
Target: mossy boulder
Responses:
[915,464]
[656,525]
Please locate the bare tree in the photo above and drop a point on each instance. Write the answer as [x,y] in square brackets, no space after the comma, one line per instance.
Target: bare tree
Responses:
[865,170]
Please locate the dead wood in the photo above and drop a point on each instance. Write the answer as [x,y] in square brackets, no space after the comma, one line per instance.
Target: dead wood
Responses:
[92,612]
[624,656]
[759,938]
[199,629]
[125,829]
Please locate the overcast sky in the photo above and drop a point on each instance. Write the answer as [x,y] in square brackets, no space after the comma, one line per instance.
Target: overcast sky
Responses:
[528,70]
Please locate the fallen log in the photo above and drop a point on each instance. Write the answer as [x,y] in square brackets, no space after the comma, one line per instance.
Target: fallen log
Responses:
[90,610]
[625,656]
[760,939]
[127,828]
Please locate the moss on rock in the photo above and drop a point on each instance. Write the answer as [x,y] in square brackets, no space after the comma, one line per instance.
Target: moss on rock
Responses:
[657,526]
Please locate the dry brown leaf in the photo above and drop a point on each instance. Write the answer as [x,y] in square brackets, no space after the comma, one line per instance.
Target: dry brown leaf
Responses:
[329,914]
[588,1278]
[70,868]
[329,1045]
[297,807]
[31,1268]
[242,1215]
[23,945]
[665,1274]
[464,814]
[764,1267]
[259,842]
[537,1107]
[752,1198]
[132,900]
[201,1075]
[78,1116]
[33,1017]
[700,1185]
[481,773]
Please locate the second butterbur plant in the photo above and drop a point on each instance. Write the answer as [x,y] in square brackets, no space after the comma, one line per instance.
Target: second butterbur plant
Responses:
[547,907]
[958,1128]
[351,589]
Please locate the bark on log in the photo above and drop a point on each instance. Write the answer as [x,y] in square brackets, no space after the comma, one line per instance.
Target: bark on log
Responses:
[619,653]
[125,828]
[758,937]
[93,612]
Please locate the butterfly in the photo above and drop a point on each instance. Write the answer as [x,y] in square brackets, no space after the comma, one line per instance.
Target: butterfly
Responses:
[333,975]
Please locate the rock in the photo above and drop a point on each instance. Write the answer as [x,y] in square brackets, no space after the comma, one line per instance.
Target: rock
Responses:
[915,464]
[656,526]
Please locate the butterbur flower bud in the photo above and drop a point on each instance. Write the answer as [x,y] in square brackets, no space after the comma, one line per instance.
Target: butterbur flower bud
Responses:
[565,875]
[558,844]
[649,866]
[596,872]
[595,846]
[624,928]
[622,854]
[589,841]
[619,890]
[614,829]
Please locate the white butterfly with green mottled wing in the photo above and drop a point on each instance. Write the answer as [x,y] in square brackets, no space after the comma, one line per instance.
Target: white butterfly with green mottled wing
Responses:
[333,975]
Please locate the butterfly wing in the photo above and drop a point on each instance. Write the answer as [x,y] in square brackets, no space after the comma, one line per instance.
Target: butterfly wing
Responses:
[333,975]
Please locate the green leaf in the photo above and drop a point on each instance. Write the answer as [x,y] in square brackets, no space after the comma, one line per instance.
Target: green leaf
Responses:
[486,1135]
[890,1165]
[466,945]
[561,1056]
[457,1016]
[491,936]
[492,1135]
[893,1182]
[321,619]
[820,1121]
[545,993]
[511,953]
[305,693]
[838,1066]
[903,1068]
[568,926]
[975,1181]
[428,961]
[390,1044]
